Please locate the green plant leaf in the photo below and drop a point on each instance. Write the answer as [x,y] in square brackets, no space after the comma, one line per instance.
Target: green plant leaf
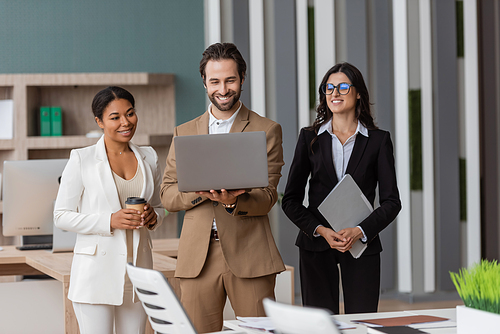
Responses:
[479,286]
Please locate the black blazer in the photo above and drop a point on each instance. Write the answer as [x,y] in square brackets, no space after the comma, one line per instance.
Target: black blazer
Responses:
[371,162]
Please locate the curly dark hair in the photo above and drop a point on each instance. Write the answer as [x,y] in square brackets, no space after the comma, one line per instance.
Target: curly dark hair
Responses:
[363,110]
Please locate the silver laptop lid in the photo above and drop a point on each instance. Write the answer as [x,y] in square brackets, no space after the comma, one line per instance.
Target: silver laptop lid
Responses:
[63,241]
[221,161]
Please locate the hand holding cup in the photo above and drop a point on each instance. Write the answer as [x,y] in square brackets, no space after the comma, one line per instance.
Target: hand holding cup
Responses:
[148,215]
[131,216]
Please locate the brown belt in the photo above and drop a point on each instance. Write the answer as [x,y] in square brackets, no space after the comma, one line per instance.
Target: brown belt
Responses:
[214,235]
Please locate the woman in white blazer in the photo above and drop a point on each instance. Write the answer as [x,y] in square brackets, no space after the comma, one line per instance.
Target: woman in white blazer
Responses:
[94,186]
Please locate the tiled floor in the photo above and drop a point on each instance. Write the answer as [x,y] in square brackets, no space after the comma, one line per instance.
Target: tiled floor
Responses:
[397,305]
[390,305]
[386,304]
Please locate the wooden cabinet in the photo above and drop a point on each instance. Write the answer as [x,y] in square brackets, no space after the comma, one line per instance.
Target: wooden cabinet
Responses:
[155,104]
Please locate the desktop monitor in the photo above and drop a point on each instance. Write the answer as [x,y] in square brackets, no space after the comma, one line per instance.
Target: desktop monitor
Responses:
[29,191]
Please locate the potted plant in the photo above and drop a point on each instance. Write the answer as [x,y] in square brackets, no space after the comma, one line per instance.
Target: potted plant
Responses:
[479,288]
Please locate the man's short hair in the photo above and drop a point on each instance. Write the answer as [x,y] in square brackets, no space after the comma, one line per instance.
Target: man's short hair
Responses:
[220,51]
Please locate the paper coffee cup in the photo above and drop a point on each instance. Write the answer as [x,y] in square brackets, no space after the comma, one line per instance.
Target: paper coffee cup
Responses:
[136,203]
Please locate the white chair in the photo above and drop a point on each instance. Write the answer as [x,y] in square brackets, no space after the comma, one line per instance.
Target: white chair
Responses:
[161,304]
[291,319]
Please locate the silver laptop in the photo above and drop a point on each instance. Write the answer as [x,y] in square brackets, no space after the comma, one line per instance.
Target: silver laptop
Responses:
[346,206]
[62,241]
[228,161]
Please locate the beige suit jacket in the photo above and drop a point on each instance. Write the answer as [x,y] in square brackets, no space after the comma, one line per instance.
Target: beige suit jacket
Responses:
[245,235]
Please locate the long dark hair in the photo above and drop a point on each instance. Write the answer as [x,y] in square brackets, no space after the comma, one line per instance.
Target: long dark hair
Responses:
[363,111]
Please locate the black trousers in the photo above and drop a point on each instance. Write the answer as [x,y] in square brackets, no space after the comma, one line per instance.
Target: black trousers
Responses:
[319,280]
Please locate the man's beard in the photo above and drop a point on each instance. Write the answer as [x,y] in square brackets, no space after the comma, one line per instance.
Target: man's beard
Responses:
[228,106]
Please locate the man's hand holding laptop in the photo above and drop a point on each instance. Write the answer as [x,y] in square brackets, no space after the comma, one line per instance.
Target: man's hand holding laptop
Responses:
[224,196]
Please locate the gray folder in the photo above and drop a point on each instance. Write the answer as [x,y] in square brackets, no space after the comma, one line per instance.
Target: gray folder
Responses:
[346,206]
[230,161]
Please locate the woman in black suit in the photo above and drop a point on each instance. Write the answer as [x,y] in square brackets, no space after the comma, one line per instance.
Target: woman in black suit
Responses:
[342,140]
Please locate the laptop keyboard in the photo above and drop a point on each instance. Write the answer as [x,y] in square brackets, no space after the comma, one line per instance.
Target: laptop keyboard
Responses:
[35,247]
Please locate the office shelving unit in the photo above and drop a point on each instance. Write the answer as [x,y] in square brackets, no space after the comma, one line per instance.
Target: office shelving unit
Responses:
[73,92]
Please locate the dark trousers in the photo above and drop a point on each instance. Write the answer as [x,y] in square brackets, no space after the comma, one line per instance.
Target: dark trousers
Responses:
[319,276]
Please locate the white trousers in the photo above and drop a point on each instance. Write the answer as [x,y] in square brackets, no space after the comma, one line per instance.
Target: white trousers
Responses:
[128,318]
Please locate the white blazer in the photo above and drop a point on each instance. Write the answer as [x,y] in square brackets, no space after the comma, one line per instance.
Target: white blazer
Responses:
[86,199]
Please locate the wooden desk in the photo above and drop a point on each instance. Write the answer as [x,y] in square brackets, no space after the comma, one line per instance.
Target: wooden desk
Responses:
[13,262]
[168,247]
[58,266]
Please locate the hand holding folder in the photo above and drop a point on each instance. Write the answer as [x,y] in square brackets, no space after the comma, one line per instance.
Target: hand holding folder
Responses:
[346,206]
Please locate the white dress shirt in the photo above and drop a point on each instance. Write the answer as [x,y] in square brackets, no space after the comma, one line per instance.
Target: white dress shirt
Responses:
[220,126]
[341,154]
